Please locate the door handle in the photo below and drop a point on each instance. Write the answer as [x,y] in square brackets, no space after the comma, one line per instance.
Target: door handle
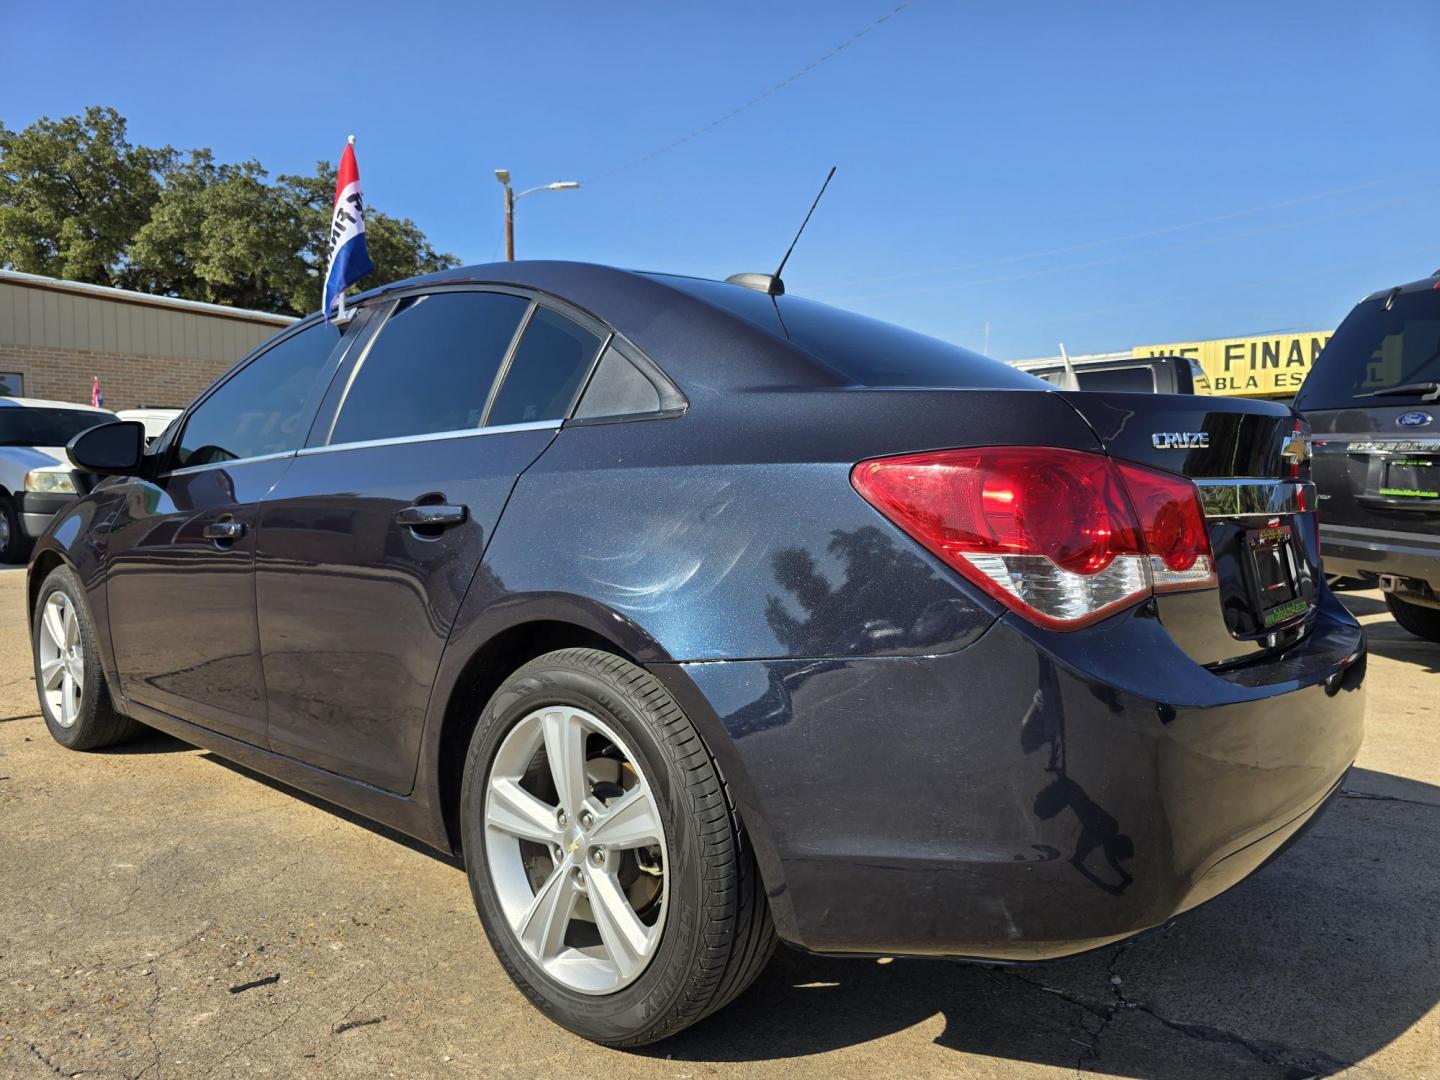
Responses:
[431,516]
[224,531]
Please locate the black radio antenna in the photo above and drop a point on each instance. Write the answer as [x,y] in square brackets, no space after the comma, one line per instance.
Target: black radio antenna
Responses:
[802,226]
[770,284]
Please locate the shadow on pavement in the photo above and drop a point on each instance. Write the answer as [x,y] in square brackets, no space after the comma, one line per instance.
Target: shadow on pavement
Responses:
[1388,639]
[1316,962]
[338,811]
[152,742]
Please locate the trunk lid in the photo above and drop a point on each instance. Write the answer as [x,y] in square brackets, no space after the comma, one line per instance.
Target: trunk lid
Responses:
[1249,460]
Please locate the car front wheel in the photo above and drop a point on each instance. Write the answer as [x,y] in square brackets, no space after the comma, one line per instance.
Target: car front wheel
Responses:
[73,697]
[612,875]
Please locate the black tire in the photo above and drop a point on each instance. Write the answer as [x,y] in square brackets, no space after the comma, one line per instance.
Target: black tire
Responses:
[16,545]
[96,723]
[718,934]
[1423,622]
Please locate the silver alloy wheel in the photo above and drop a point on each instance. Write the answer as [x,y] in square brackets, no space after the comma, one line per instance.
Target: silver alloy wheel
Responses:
[4,531]
[576,850]
[62,659]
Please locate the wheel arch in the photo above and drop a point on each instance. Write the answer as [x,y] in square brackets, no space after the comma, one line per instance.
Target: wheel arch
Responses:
[475,665]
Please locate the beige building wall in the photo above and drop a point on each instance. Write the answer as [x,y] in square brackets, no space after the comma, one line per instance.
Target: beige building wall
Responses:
[146,350]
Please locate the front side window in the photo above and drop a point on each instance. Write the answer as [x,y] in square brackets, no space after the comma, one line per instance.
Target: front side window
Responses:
[553,357]
[431,368]
[261,408]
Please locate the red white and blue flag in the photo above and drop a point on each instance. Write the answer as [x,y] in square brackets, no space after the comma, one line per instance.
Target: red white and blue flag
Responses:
[349,259]
[97,396]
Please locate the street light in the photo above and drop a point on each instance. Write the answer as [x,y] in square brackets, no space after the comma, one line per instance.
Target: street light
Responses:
[503,175]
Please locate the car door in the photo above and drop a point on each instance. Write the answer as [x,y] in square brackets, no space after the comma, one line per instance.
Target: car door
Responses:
[182,543]
[370,540]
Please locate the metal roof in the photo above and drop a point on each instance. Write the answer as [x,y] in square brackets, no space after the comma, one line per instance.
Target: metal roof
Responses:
[129,296]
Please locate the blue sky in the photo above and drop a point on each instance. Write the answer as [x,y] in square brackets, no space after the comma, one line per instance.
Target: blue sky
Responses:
[1106,175]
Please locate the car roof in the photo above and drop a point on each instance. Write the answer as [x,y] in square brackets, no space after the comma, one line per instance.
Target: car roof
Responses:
[708,335]
[42,403]
[1431,282]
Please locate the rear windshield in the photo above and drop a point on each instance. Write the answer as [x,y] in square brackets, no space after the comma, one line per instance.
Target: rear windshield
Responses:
[1375,349]
[46,427]
[864,351]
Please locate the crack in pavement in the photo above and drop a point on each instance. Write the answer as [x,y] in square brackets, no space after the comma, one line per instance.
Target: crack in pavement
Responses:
[1097,1015]
[1376,796]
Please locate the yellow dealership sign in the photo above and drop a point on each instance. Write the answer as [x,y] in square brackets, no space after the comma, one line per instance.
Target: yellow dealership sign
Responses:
[1268,366]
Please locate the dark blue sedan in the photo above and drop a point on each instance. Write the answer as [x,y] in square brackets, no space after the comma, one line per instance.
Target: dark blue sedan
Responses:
[696,615]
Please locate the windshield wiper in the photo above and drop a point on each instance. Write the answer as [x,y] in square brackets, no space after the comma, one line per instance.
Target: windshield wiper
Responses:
[1429,391]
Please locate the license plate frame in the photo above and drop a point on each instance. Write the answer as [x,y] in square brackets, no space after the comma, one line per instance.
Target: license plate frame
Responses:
[1411,477]
[1274,577]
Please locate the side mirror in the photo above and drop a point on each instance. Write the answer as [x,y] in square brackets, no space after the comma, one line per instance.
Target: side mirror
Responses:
[114,449]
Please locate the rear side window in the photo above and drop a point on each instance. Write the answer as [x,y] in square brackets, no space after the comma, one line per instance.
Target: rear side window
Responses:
[1376,350]
[1127,380]
[431,368]
[552,359]
[261,408]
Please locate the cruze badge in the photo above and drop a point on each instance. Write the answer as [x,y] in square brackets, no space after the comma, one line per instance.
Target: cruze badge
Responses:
[1181,440]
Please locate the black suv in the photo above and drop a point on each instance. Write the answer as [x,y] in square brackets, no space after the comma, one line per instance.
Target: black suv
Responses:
[1371,400]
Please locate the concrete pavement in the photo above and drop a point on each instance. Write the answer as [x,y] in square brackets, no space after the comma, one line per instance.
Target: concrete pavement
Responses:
[165,914]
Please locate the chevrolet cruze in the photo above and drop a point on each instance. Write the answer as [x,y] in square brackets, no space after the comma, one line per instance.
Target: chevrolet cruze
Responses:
[696,615]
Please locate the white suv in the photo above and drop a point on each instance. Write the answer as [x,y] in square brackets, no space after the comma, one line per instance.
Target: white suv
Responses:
[35,478]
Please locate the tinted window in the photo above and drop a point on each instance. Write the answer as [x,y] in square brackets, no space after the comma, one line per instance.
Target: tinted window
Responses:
[432,366]
[12,384]
[1127,380]
[259,409]
[46,427]
[553,357]
[865,352]
[1375,349]
[618,388]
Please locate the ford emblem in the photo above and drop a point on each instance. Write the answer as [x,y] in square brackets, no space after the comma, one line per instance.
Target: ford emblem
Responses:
[1414,419]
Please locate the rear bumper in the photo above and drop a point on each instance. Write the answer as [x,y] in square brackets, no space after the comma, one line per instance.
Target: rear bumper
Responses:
[1033,795]
[1355,552]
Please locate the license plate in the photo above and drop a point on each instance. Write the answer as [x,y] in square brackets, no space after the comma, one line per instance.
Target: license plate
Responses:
[1412,478]
[1274,575]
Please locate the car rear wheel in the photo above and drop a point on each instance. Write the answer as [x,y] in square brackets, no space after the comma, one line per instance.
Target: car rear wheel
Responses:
[1423,622]
[611,873]
[73,697]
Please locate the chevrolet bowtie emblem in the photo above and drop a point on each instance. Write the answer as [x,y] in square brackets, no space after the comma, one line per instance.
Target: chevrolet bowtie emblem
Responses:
[1296,448]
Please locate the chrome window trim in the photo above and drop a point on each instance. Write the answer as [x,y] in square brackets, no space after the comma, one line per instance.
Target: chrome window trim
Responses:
[1243,498]
[188,469]
[431,436]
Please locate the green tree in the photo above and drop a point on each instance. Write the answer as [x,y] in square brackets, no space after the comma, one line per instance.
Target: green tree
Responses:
[73,192]
[79,201]
[220,233]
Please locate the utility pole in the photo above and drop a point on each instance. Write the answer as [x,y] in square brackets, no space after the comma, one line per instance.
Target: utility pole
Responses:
[509,224]
[503,176]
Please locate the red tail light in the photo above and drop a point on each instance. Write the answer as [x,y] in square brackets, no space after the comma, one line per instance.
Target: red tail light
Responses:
[1063,537]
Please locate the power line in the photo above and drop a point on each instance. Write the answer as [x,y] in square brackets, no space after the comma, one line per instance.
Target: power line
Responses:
[1113,259]
[1146,235]
[781,85]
